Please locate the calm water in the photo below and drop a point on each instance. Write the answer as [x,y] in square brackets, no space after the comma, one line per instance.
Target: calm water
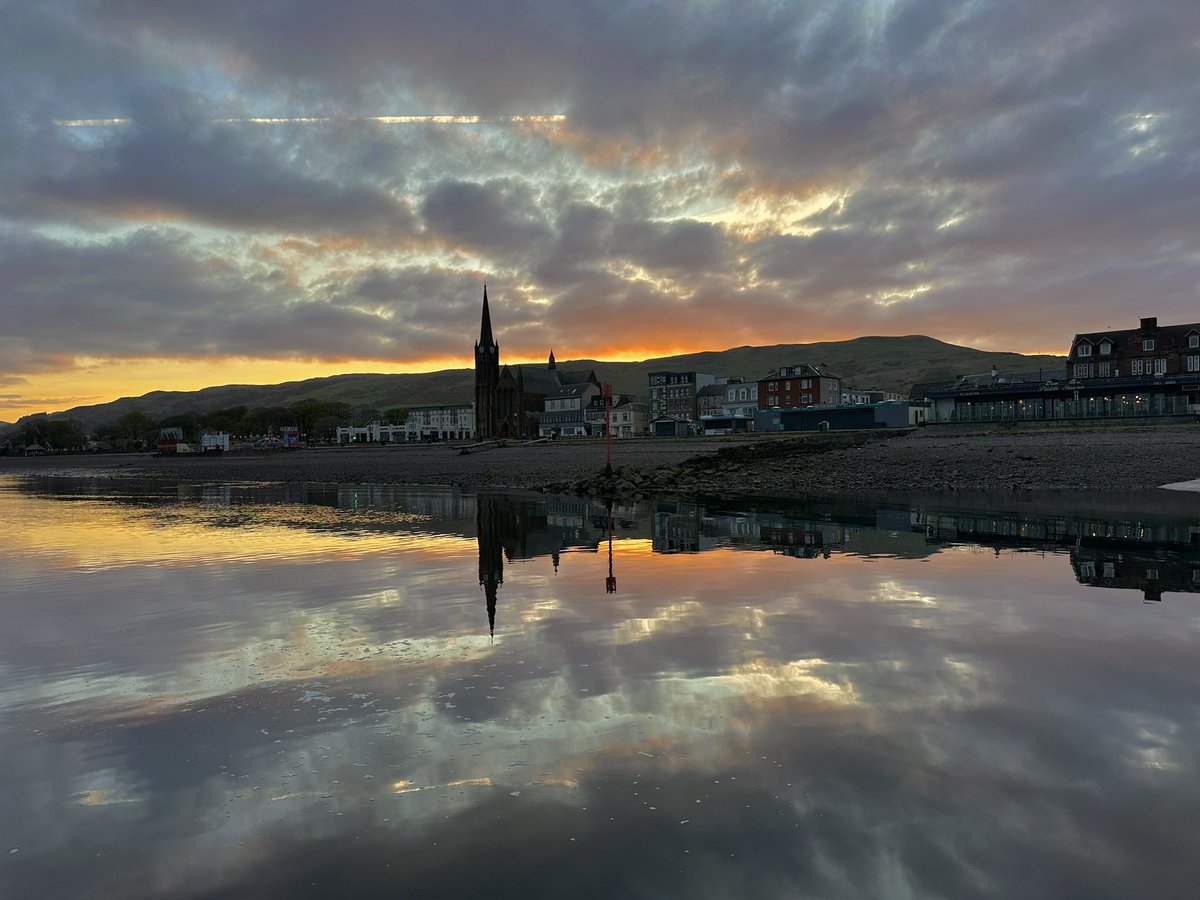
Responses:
[268,691]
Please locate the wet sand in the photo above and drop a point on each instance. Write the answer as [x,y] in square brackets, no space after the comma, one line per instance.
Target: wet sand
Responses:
[1118,458]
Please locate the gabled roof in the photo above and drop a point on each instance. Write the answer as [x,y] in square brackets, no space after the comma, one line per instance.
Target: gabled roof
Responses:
[1167,333]
[539,380]
[991,379]
[578,376]
[799,370]
[567,391]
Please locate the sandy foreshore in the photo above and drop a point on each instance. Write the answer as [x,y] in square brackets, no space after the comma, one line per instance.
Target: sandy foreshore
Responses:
[1118,458]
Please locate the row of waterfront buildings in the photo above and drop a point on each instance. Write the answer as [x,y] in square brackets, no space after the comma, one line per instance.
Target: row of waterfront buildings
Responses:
[1147,371]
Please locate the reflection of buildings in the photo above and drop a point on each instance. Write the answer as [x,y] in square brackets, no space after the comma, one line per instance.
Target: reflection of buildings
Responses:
[522,527]
[1152,573]
[1142,543]
[489,526]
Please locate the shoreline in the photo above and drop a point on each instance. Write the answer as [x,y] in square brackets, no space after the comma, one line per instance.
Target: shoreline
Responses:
[1074,459]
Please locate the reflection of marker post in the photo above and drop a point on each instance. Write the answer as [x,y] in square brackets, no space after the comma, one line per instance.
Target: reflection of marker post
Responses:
[608,435]
[610,583]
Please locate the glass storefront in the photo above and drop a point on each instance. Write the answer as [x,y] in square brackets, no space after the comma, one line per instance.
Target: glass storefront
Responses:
[1114,405]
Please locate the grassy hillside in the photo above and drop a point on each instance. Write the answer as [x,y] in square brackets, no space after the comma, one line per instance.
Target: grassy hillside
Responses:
[888,363]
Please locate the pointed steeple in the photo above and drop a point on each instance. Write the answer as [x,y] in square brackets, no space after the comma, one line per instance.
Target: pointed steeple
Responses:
[552,364]
[485,328]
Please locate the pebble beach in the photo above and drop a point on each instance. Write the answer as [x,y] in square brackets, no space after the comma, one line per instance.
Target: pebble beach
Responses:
[1120,458]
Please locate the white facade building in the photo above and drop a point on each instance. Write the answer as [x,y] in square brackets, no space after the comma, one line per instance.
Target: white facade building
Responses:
[741,399]
[371,433]
[448,422]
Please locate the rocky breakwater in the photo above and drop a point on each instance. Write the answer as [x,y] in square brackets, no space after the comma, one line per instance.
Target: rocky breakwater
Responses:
[743,469]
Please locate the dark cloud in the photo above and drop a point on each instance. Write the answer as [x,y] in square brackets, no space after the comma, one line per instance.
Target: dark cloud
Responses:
[967,157]
[215,175]
[500,217]
[161,293]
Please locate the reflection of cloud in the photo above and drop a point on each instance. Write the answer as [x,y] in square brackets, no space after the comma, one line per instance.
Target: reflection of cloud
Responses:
[848,728]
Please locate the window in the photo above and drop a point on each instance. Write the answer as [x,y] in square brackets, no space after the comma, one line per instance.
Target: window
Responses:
[1083,370]
[1104,370]
[787,385]
[1152,574]
[1105,348]
[731,395]
[771,385]
[1083,349]
[1148,344]
[1193,340]
[772,400]
[1087,570]
[1110,570]
[805,382]
[1160,367]
[806,398]
[742,394]
[1193,363]
[1135,367]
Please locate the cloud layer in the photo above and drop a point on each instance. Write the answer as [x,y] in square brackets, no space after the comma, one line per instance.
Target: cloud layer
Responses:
[994,174]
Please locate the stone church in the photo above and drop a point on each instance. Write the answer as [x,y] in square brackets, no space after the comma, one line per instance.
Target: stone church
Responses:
[509,400]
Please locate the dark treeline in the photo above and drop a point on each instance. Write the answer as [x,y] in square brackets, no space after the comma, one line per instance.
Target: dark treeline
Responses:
[317,421]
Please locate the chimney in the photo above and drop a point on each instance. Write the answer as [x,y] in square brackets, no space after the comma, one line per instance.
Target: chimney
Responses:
[1150,323]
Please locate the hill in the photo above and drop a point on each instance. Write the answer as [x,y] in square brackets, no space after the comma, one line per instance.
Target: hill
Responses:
[886,363]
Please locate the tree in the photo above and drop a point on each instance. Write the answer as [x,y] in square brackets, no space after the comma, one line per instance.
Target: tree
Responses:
[223,419]
[64,434]
[324,430]
[306,413]
[134,428]
[364,415]
[396,415]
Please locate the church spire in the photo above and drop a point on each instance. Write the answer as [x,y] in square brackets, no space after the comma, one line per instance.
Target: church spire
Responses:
[552,365]
[485,329]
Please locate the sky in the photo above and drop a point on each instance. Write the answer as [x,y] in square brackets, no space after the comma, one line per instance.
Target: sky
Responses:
[227,192]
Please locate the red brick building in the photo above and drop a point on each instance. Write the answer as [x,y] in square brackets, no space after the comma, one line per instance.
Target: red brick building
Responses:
[794,387]
[1148,351]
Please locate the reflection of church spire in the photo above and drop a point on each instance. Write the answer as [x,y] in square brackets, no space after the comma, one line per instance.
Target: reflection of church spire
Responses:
[491,555]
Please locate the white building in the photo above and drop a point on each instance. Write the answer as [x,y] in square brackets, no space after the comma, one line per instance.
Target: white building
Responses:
[741,399]
[371,433]
[447,422]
